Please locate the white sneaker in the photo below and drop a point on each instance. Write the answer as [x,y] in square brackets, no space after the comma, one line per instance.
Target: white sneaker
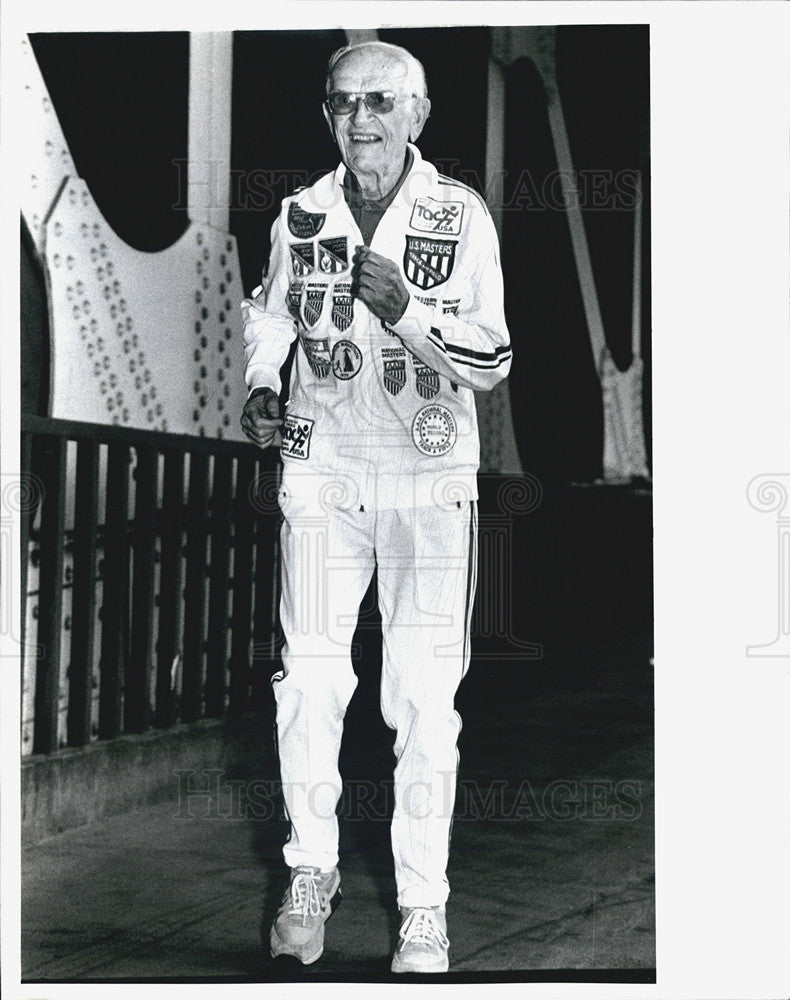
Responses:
[308,903]
[423,943]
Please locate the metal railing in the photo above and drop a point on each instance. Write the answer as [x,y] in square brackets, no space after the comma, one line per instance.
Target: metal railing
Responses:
[166,546]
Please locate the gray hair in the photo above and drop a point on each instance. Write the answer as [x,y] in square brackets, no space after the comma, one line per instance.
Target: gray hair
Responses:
[415,74]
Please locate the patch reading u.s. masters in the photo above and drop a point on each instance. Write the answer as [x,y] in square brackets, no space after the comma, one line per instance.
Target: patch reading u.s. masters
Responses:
[434,430]
[431,216]
[297,432]
[304,224]
[302,259]
[428,263]
[346,360]
[333,255]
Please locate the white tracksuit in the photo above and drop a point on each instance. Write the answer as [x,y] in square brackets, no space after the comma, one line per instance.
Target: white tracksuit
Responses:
[380,453]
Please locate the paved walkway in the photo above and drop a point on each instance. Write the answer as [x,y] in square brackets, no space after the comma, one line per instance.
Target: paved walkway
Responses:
[551,870]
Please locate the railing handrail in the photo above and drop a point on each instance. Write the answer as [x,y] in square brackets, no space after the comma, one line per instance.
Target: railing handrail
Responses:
[76,430]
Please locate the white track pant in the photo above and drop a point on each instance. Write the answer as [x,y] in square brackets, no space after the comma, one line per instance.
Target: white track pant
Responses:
[426,560]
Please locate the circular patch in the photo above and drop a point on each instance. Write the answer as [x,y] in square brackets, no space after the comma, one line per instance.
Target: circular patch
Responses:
[434,430]
[346,360]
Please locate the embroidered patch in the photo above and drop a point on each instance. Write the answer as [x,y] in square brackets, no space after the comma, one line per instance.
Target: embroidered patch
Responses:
[294,298]
[297,432]
[302,259]
[313,304]
[431,216]
[426,379]
[434,430]
[394,363]
[451,306]
[317,352]
[428,263]
[342,306]
[346,360]
[333,255]
[304,224]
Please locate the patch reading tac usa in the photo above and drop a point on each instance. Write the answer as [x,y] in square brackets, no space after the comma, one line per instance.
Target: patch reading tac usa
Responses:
[313,304]
[297,432]
[393,360]
[304,224]
[346,360]
[302,259]
[434,430]
[428,263]
[426,379]
[342,306]
[317,352]
[333,255]
[431,216]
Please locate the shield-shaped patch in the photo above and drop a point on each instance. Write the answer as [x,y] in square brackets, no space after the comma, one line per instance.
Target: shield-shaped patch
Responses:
[426,379]
[394,364]
[318,356]
[427,262]
[314,303]
[333,255]
[342,306]
[304,224]
[302,259]
[294,297]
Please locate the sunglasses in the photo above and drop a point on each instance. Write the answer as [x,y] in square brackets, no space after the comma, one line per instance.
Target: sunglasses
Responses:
[378,102]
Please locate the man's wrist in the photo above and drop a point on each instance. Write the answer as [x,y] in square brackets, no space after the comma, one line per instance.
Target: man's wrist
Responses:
[259,391]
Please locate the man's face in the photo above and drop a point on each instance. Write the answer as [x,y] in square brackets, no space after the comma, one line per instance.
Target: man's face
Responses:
[371,143]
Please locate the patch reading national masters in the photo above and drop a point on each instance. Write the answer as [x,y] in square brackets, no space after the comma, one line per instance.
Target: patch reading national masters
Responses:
[428,263]
[434,430]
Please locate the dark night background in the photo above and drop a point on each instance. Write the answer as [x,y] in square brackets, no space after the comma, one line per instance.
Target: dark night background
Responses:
[128,137]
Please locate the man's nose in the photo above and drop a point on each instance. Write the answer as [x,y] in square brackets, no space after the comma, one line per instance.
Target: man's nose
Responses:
[361,111]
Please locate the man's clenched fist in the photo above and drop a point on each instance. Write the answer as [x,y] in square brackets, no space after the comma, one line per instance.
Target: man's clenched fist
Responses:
[261,417]
[377,282]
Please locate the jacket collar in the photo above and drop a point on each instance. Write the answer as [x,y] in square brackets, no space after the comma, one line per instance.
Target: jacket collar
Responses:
[327,192]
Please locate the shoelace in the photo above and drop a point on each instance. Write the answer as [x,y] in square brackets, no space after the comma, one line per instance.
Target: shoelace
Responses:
[421,927]
[305,900]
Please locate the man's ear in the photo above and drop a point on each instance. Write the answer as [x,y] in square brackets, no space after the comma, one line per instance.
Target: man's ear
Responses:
[422,108]
[329,120]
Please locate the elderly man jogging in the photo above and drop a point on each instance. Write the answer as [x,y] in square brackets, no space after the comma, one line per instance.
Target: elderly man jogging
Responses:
[388,274]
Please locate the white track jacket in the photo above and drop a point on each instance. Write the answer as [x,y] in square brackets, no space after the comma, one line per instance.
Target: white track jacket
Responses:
[381,416]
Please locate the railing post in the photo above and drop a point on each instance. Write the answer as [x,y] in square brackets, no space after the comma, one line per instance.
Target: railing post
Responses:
[171,582]
[86,497]
[243,541]
[51,463]
[216,644]
[195,588]
[116,592]
[137,686]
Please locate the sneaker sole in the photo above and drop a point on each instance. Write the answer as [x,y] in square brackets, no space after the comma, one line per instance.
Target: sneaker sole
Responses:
[312,950]
[400,966]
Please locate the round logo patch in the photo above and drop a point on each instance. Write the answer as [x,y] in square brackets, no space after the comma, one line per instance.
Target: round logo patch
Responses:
[434,430]
[346,360]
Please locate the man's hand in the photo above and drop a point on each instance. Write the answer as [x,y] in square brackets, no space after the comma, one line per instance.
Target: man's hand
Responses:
[377,282]
[261,417]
